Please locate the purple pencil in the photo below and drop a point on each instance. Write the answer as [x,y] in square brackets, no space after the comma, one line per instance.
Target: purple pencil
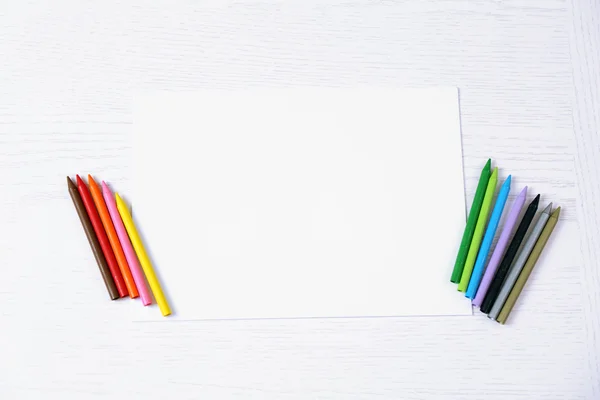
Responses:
[511,222]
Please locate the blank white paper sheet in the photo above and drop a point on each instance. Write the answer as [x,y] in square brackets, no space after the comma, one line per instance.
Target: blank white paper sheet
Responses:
[292,203]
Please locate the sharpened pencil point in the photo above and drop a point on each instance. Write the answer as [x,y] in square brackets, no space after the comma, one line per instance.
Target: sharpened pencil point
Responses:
[536,200]
[72,185]
[80,181]
[106,190]
[556,213]
[523,193]
[548,209]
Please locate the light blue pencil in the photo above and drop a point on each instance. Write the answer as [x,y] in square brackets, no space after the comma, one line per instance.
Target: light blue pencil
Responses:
[488,239]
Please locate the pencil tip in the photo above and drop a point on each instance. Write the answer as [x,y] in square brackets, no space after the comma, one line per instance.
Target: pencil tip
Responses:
[548,208]
[523,192]
[91,179]
[556,212]
[488,164]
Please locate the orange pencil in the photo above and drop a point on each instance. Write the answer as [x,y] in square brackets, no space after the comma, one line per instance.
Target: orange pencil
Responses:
[112,237]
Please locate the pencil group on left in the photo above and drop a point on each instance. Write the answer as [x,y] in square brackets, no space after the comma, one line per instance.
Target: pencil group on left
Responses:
[115,243]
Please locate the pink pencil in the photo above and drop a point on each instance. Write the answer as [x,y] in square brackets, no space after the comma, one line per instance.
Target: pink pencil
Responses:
[136,271]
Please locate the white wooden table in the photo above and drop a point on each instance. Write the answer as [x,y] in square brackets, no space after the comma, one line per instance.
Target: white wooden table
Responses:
[529,73]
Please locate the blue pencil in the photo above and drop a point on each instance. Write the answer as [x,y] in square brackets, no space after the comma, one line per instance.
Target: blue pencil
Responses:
[488,239]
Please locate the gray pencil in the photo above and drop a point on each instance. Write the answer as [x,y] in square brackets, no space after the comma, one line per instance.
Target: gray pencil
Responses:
[520,261]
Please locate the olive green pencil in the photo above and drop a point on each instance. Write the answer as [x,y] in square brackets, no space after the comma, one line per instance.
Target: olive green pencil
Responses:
[524,275]
[461,257]
[478,233]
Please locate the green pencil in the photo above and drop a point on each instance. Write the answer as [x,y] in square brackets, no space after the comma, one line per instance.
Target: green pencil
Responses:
[459,264]
[524,275]
[479,229]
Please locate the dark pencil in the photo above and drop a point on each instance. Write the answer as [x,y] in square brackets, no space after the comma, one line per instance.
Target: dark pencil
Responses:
[533,258]
[91,236]
[496,285]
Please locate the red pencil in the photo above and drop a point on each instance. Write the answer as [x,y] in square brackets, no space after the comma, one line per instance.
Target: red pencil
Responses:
[88,202]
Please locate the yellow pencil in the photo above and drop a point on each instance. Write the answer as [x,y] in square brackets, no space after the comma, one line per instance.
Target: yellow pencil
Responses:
[138,246]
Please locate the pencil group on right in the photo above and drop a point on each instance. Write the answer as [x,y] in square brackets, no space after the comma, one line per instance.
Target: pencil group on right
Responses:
[494,283]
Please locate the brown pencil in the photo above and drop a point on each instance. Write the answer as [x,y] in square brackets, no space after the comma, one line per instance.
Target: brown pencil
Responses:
[91,236]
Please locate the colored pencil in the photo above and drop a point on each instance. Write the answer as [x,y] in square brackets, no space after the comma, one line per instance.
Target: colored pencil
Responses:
[488,239]
[91,236]
[88,202]
[142,256]
[113,239]
[517,266]
[132,261]
[496,285]
[531,261]
[509,225]
[479,228]
[465,242]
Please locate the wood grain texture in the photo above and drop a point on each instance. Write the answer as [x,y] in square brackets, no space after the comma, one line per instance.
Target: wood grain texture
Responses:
[528,74]
[585,36]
